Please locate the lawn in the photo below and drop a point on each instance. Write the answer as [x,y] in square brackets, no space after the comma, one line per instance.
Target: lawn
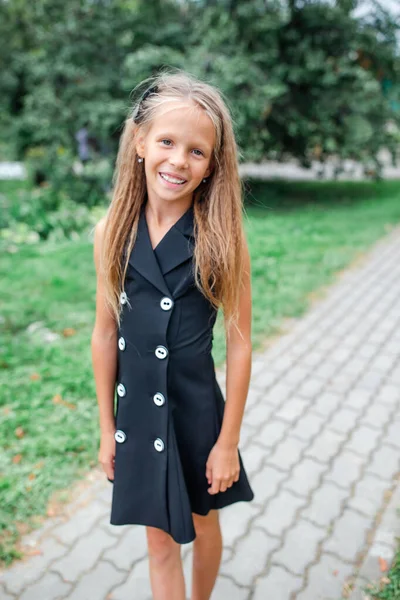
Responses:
[300,235]
[389,588]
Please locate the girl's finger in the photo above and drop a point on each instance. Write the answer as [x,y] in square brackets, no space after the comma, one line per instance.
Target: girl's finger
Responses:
[215,486]
[209,475]
[109,470]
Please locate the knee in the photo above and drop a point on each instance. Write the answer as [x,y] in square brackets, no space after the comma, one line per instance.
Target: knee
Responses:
[208,525]
[162,549]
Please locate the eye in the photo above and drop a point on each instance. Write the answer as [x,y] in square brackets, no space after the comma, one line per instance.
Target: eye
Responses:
[201,153]
[166,140]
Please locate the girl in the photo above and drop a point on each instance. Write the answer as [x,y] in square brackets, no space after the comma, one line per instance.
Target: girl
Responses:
[168,254]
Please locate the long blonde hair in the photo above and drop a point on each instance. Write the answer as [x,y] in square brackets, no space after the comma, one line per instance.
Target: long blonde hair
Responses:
[217,204]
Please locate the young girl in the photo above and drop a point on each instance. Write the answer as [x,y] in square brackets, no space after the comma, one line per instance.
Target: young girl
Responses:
[171,251]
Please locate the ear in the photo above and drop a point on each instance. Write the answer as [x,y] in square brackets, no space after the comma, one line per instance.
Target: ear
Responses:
[140,145]
[210,168]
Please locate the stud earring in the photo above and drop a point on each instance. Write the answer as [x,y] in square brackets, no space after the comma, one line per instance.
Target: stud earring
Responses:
[140,159]
[204,180]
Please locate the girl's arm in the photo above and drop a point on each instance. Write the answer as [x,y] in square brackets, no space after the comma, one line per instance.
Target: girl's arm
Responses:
[238,364]
[104,360]
[223,468]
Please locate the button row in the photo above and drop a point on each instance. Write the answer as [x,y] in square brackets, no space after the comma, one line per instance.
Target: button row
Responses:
[158,398]
[165,303]
[120,437]
[161,351]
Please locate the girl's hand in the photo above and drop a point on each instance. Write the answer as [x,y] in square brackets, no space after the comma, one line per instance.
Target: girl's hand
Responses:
[107,454]
[222,468]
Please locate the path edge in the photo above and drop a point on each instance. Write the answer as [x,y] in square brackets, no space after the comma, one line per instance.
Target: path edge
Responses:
[384,545]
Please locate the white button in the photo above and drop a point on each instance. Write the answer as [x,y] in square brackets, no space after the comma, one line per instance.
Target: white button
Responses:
[161,352]
[158,399]
[166,303]
[159,445]
[119,436]
[121,391]
[123,298]
[121,343]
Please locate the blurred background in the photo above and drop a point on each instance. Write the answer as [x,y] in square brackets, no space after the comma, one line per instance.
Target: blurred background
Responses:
[314,90]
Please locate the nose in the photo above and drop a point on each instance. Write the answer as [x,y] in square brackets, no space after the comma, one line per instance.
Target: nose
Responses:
[178,159]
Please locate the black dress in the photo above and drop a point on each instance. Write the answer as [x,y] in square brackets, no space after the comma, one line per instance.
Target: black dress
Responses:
[169,404]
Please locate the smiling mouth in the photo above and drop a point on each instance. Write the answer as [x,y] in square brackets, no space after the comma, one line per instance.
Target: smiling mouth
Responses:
[170,179]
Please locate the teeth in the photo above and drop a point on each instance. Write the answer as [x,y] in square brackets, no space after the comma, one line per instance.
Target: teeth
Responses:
[171,179]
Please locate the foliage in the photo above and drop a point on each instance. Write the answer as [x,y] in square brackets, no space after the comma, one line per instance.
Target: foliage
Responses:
[28,216]
[305,79]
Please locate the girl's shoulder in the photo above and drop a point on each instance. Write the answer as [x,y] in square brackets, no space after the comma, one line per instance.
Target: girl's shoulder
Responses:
[101,225]
[99,229]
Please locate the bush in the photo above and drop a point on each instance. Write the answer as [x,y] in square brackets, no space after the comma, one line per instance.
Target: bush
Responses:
[31,215]
[84,184]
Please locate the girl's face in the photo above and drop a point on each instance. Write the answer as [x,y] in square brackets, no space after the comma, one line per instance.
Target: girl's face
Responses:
[177,151]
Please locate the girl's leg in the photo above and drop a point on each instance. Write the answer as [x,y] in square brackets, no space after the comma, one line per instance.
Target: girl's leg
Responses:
[207,552]
[166,573]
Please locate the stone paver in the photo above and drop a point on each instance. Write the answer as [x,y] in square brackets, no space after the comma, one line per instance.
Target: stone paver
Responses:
[363,440]
[226,588]
[235,521]
[368,495]
[349,535]
[84,520]
[296,556]
[280,512]
[250,557]
[304,477]
[50,587]
[277,583]
[98,583]
[130,549]
[326,579]
[326,504]
[385,463]
[345,469]
[84,555]
[265,484]
[320,442]
[136,586]
[27,572]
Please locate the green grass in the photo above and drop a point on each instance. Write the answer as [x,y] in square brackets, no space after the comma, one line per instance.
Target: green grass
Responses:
[389,589]
[300,235]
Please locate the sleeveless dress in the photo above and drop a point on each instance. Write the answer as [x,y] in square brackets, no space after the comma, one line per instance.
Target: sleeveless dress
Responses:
[169,406]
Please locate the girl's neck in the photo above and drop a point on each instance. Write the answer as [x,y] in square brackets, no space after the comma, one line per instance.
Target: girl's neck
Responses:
[164,212]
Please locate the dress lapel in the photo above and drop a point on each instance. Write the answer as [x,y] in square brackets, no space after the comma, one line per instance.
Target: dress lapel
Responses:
[177,246]
[143,259]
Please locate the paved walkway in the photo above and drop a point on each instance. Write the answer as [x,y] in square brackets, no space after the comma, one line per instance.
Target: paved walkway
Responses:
[321,444]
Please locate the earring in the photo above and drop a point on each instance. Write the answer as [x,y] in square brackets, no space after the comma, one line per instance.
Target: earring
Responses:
[140,159]
[204,180]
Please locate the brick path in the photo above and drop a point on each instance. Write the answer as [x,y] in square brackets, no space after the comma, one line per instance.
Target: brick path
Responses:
[320,442]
